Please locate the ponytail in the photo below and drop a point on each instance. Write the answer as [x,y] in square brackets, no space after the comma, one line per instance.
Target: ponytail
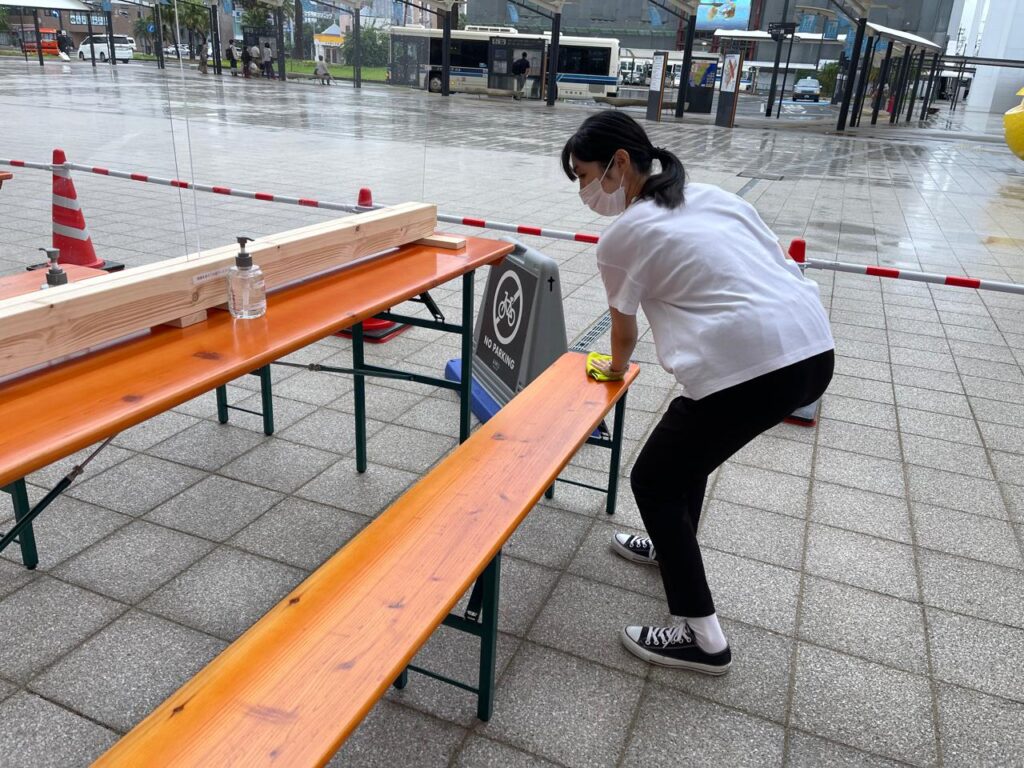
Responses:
[603,133]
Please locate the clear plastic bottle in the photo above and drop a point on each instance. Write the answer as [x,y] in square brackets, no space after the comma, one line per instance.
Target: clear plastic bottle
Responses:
[247,290]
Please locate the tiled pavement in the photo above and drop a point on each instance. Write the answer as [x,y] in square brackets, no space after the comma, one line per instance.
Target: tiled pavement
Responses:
[869,571]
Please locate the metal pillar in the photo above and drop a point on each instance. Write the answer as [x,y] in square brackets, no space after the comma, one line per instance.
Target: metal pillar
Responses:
[862,84]
[215,36]
[357,64]
[446,52]
[778,58]
[684,78]
[905,85]
[959,82]
[92,45]
[883,78]
[902,75]
[279,20]
[553,49]
[111,51]
[916,85]
[39,36]
[858,42]
[931,86]
[785,73]
[158,23]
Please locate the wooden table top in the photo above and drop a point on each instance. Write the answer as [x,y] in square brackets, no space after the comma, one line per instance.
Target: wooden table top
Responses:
[53,412]
[26,282]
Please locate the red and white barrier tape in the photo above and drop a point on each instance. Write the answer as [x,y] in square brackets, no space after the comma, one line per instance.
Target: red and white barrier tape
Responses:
[521,229]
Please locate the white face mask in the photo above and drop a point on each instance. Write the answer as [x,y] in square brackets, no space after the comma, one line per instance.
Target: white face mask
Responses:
[604,203]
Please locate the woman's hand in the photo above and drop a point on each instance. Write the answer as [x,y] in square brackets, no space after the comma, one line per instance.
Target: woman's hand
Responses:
[605,367]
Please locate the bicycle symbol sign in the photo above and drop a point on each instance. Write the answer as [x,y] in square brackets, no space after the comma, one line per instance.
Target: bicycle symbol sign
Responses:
[507,313]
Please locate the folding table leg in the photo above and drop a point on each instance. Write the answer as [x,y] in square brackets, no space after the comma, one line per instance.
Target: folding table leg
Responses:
[466,384]
[222,404]
[613,469]
[26,539]
[267,396]
[359,390]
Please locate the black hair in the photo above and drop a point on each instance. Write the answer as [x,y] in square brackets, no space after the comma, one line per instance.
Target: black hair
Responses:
[603,133]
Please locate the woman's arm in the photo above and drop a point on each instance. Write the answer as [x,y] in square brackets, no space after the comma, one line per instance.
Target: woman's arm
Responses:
[624,335]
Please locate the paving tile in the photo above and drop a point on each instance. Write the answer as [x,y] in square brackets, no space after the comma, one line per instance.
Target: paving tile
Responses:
[214,508]
[942,454]
[46,619]
[7,689]
[280,465]
[121,674]
[866,624]
[478,752]
[974,588]
[525,588]
[136,485]
[548,536]
[847,436]
[863,389]
[751,591]
[367,493]
[563,708]
[596,561]
[41,734]
[997,412]
[1007,391]
[807,751]
[66,528]
[286,413]
[313,387]
[753,533]
[394,735]
[762,489]
[584,618]
[300,532]
[880,415]
[856,470]
[676,729]
[864,704]
[410,449]
[863,561]
[154,430]
[872,513]
[864,369]
[977,654]
[207,445]
[939,425]
[936,361]
[432,414]
[925,378]
[978,729]
[14,576]
[133,561]
[758,680]
[968,494]
[1014,495]
[52,474]
[1003,437]
[967,535]
[771,452]
[328,430]
[1008,467]
[933,401]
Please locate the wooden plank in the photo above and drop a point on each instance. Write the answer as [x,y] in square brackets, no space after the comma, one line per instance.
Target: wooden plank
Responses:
[453,242]
[53,324]
[53,412]
[187,320]
[24,283]
[298,682]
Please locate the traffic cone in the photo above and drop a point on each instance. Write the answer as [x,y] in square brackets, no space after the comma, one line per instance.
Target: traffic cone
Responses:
[798,250]
[70,235]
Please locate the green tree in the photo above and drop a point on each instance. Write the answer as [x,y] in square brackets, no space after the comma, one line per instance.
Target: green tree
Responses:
[299,27]
[3,19]
[827,77]
[374,47]
[140,30]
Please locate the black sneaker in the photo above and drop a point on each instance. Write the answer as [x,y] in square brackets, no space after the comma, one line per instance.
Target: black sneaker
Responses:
[639,549]
[674,647]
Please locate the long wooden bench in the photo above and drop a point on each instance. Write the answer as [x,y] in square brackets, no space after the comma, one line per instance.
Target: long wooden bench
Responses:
[298,682]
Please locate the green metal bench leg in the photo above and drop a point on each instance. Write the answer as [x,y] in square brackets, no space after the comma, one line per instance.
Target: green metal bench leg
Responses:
[550,492]
[402,680]
[613,469]
[222,404]
[491,578]
[359,391]
[267,396]
[466,384]
[26,539]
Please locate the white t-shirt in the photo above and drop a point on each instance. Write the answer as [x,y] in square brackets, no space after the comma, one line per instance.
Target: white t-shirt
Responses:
[724,303]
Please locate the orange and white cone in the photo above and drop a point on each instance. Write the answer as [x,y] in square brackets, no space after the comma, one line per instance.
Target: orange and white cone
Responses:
[70,235]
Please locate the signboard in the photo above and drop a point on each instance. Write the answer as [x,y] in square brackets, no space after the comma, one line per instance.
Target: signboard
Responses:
[504,319]
[656,95]
[503,52]
[728,97]
[831,29]
[807,23]
[723,14]
[731,73]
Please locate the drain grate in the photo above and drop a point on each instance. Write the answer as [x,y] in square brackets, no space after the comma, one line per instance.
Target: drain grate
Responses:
[586,340]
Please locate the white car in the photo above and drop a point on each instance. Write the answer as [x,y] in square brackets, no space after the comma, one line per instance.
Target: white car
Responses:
[122,48]
[807,88]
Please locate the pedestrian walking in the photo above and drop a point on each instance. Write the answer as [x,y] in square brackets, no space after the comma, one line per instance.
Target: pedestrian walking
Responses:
[246,60]
[521,70]
[231,54]
[268,61]
[737,324]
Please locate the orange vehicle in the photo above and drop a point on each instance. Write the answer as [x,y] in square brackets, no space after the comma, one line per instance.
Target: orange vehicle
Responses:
[47,36]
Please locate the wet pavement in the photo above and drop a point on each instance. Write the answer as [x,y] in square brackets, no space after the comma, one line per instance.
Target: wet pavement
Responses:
[869,570]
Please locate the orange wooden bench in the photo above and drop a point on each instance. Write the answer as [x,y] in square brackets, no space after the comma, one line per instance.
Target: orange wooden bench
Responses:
[292,688]
[5,176]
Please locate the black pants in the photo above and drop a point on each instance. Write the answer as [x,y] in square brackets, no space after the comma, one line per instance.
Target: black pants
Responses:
[692,439]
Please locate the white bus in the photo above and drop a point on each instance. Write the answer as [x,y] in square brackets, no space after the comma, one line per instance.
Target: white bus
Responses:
[587,66]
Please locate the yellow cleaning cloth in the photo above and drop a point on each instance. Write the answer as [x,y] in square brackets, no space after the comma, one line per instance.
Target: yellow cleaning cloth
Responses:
[596,374]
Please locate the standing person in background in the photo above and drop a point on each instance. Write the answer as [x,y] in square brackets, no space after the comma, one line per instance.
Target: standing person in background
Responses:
[268,61]
[246,60]
[521,70]
[232,56]
[737,324]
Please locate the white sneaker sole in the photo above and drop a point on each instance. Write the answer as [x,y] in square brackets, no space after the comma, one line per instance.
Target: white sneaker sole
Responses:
[662,661]
[630,555]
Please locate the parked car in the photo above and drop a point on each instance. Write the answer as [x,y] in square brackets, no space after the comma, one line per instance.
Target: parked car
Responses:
[174,50]
[807,88]
[122,49]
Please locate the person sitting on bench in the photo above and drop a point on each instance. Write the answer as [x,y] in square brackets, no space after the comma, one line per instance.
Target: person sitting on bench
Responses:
[322,72]
[737,324]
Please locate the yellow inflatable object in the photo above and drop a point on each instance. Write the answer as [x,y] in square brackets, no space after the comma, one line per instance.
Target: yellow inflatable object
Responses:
[1013,122]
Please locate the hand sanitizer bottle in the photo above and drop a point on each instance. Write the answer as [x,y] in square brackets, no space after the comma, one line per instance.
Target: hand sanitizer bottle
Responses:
[247,290]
